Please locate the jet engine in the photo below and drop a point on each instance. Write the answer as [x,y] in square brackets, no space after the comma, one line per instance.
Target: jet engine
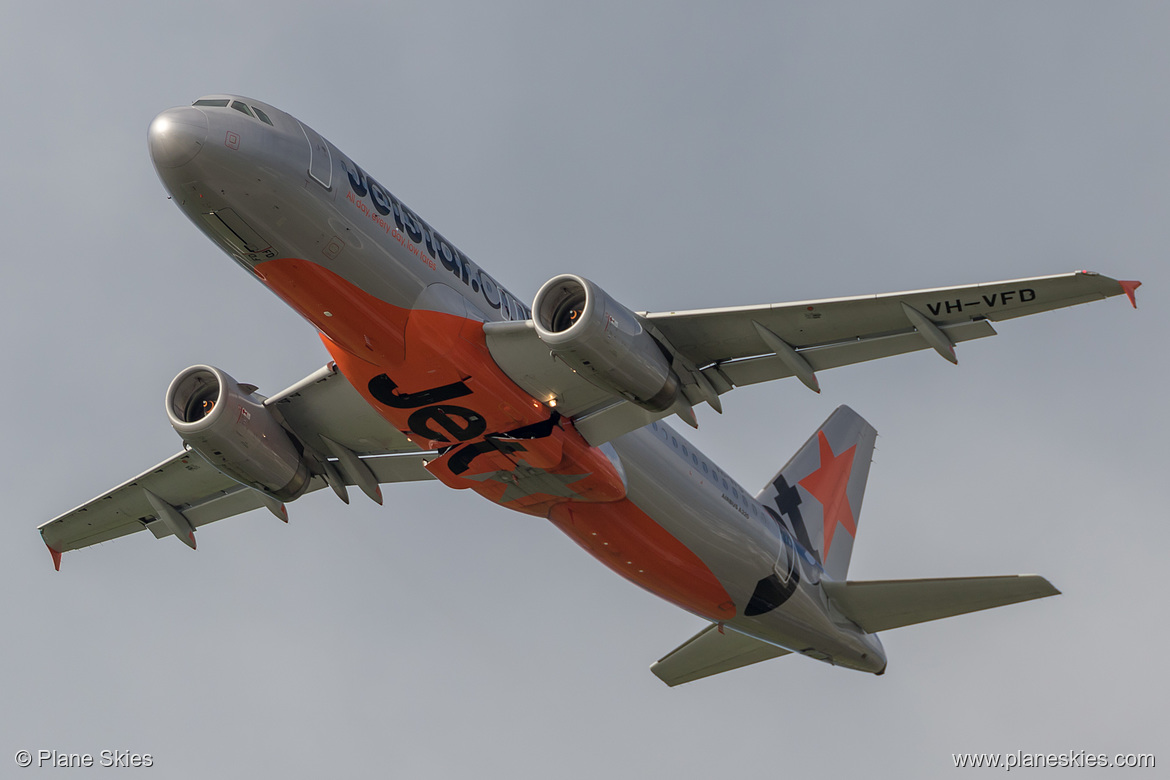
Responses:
[235,432]
[604,342]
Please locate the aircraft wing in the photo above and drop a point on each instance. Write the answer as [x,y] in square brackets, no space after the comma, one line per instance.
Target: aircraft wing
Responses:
[322,404]
[732,347]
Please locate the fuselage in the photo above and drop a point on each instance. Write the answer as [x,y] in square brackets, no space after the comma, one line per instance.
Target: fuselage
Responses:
[401,311]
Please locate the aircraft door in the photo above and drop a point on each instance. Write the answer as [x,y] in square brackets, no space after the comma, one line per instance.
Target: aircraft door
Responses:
[320,162]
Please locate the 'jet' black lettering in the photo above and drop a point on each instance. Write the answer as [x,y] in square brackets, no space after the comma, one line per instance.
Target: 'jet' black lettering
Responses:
[461,423]
[461,460]
[384,390]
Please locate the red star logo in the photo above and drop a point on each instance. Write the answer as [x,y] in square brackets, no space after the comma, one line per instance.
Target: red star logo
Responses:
[827,485]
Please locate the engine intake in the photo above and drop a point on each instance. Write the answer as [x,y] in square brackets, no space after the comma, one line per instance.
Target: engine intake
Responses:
[604,342]
[235,432]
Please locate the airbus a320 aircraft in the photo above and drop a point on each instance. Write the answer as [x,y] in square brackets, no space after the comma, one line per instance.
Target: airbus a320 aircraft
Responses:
[438,372]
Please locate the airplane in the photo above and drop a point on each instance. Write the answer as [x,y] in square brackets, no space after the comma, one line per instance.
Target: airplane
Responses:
[437,371]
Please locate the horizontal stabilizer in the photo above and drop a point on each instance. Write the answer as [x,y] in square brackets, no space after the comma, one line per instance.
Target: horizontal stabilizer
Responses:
[712,651]
[878,605]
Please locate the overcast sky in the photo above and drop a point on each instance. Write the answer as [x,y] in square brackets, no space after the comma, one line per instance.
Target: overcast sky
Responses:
[681,155]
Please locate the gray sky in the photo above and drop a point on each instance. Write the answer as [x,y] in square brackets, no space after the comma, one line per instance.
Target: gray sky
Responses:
[682,156]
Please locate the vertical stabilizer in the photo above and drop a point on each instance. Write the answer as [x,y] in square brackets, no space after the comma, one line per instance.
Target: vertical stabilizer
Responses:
[818,493]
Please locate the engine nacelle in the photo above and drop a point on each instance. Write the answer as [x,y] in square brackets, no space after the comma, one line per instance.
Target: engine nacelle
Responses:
[232,429]
[604,342]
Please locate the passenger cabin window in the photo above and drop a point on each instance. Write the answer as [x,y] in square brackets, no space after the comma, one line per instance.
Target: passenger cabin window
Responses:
[214,103]
[238,106]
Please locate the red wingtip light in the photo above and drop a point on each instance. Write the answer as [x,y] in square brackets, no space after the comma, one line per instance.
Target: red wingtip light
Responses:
[1129,288]
[56,558]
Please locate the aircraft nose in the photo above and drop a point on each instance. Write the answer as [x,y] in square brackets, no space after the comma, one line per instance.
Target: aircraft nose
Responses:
[176,136]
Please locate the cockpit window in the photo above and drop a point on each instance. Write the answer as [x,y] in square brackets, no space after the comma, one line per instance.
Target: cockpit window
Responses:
[237,105]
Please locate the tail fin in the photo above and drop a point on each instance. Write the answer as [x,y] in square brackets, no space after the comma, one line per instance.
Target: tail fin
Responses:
[819,491]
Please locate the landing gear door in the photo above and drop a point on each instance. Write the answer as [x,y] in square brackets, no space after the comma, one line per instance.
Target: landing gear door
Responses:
[320,163]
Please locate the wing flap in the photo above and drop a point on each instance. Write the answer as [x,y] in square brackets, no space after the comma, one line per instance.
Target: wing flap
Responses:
[609,422]
[878,605]
[712,651]
[765,368]
[227,503]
